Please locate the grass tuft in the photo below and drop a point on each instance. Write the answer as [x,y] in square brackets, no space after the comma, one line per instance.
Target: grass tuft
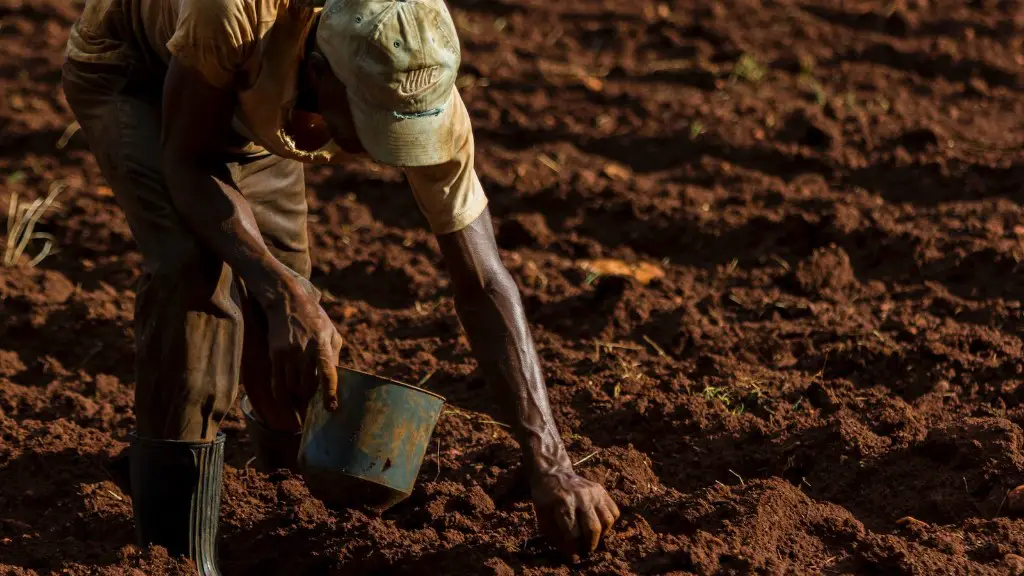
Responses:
[22,219]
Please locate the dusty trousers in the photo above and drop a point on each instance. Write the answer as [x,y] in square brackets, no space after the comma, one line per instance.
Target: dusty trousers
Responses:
[197,333]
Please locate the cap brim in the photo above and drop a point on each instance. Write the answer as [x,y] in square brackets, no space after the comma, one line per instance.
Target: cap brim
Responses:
[402,141]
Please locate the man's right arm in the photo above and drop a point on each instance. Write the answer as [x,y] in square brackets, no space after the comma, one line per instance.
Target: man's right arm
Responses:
[196,122]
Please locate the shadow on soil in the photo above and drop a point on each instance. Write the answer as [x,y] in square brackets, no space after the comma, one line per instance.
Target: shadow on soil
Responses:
[53,521]
[108,350]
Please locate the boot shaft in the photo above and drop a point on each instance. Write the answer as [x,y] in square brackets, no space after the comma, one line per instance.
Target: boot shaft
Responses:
[176,489]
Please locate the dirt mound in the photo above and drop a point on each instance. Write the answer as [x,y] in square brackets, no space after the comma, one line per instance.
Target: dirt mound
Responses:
[827,272]
[824,376]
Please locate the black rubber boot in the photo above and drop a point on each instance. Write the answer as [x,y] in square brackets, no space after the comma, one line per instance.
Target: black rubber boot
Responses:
[273,449]
[176,497]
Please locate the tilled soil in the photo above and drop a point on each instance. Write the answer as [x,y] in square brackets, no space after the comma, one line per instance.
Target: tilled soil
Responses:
[831,188]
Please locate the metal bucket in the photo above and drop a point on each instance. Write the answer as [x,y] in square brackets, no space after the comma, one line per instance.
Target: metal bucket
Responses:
[368,452]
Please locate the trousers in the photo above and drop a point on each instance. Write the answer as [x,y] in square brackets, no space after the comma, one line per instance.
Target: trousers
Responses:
[198,336]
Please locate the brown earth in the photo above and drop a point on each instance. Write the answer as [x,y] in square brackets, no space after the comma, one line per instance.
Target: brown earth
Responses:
[832,189]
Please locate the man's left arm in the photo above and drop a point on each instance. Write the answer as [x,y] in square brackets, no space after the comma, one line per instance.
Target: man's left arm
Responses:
[573,512]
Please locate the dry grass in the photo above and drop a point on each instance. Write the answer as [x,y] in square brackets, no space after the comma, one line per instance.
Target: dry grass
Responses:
[22,219]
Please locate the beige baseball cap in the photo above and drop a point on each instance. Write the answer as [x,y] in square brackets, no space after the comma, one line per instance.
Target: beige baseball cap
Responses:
[398,60]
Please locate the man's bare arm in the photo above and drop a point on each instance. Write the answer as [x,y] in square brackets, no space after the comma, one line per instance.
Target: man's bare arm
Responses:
[196,121]
[571,510]
[491,311]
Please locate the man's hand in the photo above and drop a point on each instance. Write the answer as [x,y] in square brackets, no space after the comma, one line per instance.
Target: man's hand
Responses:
[573,512]
[304,348]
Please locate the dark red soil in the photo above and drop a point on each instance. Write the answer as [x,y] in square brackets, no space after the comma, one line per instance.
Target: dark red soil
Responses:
[832,188]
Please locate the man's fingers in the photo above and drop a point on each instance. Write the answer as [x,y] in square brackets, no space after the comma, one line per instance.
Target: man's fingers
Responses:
[327,363]
[589,528]
[607,516]
[613,507]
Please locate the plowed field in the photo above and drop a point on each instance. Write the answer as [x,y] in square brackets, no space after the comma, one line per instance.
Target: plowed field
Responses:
[832,190]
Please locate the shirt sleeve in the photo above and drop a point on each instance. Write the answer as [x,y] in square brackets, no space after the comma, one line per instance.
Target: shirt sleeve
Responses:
[450,195]
[214,37]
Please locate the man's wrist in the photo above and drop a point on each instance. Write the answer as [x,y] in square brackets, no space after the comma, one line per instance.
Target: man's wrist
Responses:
[546,457]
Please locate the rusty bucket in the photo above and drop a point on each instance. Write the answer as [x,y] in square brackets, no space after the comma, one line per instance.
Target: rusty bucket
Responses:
[369,451]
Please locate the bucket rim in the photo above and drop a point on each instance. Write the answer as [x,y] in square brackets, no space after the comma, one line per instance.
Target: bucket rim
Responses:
[393,381]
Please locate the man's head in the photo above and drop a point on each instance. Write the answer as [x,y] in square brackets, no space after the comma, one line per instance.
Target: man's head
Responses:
[386,77]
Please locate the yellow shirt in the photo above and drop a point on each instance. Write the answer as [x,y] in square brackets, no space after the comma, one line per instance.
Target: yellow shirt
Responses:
[230,42]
